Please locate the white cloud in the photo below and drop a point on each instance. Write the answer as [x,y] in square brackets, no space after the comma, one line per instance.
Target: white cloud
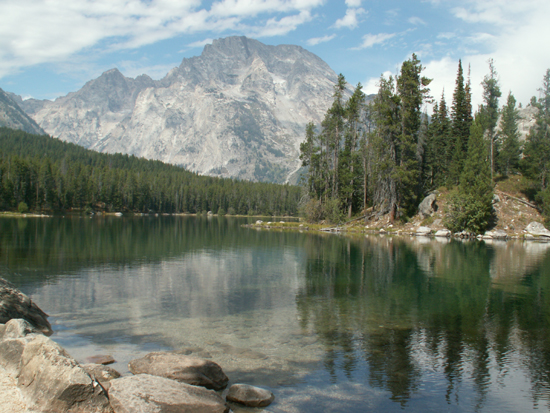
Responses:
[353,3]
[274,27]
[201,43]
[417,21]
[43,31]
[512,39]
[316,40]
[350,19]
[370,40]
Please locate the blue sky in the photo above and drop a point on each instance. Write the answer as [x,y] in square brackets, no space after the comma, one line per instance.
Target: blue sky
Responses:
[49,48]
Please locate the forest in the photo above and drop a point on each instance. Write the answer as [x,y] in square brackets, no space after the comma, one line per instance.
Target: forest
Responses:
[43,174]
[385,154]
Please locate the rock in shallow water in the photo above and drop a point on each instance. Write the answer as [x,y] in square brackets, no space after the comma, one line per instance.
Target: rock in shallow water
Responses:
[250,395]
[187,369]
[14,304]
[152,394]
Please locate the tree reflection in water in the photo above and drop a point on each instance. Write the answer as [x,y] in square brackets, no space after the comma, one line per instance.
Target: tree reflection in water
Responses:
[407,307]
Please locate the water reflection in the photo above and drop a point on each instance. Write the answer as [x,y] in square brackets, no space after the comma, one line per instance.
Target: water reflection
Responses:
[474,311]
[328,323]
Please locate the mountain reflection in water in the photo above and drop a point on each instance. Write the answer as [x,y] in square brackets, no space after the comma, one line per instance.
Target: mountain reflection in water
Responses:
[328,323]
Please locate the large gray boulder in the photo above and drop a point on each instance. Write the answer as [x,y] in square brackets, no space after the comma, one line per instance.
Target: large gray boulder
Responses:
[250,395]
[15,336]
[428,206]
[152,394]
[50,380]
[15,304]
[187,369]
[537,229]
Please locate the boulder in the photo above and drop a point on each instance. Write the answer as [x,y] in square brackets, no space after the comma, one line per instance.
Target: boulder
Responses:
[17,333]
[18,328]
[495,234]
[423,231]
[428,206]
[443,233]
[187,369]
[152,394]
[50,380]
[249,395]
[15,304]
[536,229]
[103,374]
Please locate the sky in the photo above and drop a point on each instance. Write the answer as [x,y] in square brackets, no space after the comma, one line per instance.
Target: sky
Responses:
[49,48]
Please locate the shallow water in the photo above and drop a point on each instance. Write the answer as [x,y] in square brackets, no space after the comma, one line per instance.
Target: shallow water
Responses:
[327,323]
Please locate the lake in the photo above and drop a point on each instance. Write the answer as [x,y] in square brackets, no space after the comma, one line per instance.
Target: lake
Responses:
[328,323]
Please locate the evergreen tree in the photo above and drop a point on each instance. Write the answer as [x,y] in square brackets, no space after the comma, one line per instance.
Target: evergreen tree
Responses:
[461,119]
[350,160]
[491,94]
[471,206]
[439,151]
[508,158]
[536,153]
[385,140]
[413,90]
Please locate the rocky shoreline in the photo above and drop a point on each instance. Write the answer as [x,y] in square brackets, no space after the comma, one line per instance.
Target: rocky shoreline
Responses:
[38,375]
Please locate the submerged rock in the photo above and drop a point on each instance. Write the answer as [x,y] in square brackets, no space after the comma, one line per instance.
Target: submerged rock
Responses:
[145,393]
[250,395]
[14,304]
[187,369]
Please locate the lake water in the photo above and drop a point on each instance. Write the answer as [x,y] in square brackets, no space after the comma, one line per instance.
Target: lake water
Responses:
[328,323]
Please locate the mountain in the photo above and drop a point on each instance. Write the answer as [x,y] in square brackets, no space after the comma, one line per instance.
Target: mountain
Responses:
[237,110]
[12,116]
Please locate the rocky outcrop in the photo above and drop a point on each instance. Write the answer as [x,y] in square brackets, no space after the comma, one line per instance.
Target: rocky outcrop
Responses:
[428,206]
[536,229]
[237,110]
[186,369]
[145,393]
[250,396]
[14,304]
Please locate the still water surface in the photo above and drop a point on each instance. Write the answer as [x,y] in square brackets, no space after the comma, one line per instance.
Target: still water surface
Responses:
[327,323]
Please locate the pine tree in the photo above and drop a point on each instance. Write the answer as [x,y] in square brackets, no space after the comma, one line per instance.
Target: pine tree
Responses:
[491,94]
[412,89]
[461,118]
[471,207]
[508,158]
[439,151]
[536,153]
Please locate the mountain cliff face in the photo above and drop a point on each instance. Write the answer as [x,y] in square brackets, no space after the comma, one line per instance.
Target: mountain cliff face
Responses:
[237,110]
[12,116]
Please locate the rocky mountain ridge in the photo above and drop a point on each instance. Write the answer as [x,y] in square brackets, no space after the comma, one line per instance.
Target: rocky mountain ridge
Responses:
[237,110]
[12,116]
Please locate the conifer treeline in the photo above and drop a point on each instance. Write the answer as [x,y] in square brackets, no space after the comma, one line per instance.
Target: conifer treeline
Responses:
[42,173]
[387,154]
